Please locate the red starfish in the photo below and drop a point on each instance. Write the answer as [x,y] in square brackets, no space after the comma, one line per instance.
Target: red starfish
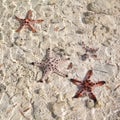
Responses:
[27,22]
[86,87]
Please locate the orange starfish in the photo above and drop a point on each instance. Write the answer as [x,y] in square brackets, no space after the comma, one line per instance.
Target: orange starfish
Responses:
[27,22]
[86,87]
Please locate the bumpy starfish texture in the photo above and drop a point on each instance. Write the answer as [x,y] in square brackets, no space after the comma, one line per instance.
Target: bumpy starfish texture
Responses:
[27,22]
[86,87]
[50,65]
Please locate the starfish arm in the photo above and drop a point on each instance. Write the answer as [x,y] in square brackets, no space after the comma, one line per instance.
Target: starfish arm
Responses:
[45,75]
[19,29]
[76,82]
[60,73]
[88,75]
[31,28]
[29,15]
[92,96]
[100,83]
[64,59]
[36,64]
[37,21]
[19,19]
[79,94]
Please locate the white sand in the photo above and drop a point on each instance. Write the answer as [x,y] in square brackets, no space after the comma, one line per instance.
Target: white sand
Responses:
[66,24]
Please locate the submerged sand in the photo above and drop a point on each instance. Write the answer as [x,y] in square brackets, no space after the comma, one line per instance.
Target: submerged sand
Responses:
[67,23]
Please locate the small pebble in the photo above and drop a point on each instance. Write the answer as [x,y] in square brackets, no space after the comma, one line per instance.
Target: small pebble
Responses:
[2,88]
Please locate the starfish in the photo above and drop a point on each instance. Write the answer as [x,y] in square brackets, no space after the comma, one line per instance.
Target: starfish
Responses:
[27,22]
[86,87]
[50,65]
[89,52]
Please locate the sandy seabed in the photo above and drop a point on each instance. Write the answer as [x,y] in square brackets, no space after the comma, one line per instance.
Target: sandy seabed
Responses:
[67,23]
